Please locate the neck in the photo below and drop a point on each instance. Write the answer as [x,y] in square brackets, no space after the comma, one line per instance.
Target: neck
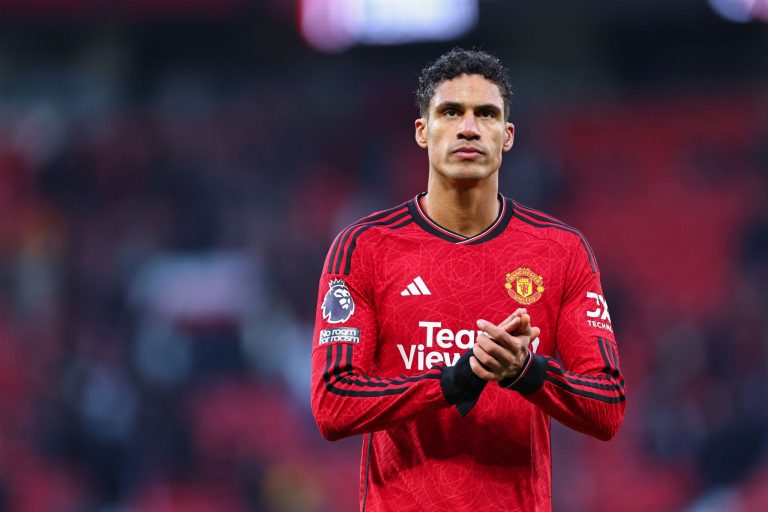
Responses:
[468,210]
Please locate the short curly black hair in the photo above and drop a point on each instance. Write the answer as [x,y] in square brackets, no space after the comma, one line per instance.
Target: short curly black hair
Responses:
[457,62]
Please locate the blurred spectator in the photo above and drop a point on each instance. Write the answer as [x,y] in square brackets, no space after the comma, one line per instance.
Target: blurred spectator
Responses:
[161,220]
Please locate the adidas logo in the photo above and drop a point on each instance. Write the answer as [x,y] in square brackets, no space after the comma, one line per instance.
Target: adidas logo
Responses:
[417,287]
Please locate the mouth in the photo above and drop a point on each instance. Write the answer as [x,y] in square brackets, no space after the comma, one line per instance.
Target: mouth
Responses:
[468,152]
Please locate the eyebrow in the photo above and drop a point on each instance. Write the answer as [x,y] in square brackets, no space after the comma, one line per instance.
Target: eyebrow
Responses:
[452,104]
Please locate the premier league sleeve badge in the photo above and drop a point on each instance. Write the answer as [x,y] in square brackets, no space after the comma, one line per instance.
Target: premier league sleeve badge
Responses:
[337,305]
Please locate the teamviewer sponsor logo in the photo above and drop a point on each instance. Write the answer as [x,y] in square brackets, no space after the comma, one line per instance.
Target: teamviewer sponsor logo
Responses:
[339,335]
[426,354]
[420,355]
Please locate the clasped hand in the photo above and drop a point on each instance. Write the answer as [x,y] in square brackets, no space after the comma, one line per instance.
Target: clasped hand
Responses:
[502,350]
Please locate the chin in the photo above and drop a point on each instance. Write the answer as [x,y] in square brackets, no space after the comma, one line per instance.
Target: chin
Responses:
[469,173]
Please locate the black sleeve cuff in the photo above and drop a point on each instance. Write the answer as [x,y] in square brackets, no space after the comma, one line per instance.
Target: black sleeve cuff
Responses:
[460,385]
[531,378]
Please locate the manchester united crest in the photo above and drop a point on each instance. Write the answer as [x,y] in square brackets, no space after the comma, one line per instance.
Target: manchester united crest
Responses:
[524,285]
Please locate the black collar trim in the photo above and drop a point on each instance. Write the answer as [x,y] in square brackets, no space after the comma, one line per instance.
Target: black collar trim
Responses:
[430,226]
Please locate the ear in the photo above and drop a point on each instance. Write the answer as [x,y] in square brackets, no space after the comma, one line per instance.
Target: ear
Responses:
[421,132]
[510,138]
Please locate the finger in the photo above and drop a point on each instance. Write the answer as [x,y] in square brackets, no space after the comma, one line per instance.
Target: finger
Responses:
[515,344]
[492,354]
[517,313]
[500,336]
[525,325]
[526,334]
[512,325]
[487,361]
[481,372]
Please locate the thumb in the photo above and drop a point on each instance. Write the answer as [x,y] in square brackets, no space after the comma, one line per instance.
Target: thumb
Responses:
[523,328]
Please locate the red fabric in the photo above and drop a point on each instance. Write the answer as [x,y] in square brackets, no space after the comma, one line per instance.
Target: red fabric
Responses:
[420,454]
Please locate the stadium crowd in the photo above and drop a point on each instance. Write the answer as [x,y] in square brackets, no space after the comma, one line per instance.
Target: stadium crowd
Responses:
[159,255]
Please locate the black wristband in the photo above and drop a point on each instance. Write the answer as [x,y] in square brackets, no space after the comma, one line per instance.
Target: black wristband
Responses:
[508,382]
[460,385]
[531,378]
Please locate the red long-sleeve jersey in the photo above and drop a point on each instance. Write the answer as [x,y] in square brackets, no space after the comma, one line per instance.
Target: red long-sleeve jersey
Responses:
[399,299]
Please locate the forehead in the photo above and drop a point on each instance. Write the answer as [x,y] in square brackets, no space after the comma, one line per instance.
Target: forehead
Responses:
[468,90]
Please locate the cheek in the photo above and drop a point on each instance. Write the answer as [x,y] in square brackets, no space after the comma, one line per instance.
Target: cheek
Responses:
[502,140]
[439,142]
[436,134]
[433,148]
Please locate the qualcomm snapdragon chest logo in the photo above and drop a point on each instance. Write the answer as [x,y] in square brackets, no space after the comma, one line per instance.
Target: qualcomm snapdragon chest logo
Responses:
[337,305]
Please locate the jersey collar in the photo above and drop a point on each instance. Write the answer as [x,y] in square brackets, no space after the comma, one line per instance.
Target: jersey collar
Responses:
[430,226]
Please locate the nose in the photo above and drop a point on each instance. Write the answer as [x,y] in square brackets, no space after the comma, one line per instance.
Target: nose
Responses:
[468,128]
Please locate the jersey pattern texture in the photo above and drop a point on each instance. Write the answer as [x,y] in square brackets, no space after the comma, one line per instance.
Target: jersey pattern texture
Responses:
[399,298]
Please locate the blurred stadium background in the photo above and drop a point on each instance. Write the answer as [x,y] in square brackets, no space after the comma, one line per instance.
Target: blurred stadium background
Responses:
[172,173]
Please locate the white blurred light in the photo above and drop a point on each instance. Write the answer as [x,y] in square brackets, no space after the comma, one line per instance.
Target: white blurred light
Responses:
[195,287]
[334,25]
[759,10]
[741,11]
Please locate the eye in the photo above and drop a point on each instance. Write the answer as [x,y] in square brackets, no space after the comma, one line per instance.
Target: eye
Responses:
[487,114]
[450,112]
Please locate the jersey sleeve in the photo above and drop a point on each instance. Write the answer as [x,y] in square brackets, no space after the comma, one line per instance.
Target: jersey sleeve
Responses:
[586,392]
[349,396]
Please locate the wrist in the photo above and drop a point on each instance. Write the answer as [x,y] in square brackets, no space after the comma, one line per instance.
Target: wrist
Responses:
[460,385]
[531,376]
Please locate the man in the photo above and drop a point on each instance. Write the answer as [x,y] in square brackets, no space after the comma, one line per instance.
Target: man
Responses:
[414,343]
